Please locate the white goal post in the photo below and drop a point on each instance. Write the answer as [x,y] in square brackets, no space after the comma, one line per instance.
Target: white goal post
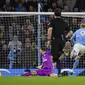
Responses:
[67,14]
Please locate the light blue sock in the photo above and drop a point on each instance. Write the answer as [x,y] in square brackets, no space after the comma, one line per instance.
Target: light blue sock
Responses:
[75,64]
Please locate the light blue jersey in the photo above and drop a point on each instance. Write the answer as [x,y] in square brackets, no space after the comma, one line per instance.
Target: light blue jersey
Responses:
[79,36]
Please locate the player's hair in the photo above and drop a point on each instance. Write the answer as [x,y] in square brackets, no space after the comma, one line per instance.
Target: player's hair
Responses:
[82,25]
[57,12]
[43,46]
[27,70]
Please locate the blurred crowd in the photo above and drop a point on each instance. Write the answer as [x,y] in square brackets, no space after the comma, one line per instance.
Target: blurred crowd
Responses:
[18,42]
[46,5]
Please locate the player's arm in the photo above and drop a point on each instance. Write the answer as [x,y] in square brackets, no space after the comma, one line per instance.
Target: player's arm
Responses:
[49,36]
[69,34]
[73,37]
[39,67]
[68,30]
[49,33]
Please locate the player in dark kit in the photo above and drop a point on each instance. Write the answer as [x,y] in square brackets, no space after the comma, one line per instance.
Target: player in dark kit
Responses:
[56,36]
[46,68]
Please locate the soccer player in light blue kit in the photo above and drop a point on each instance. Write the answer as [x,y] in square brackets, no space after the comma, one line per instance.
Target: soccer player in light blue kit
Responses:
[78,38]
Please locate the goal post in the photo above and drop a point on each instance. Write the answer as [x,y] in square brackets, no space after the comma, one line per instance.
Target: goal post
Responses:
[30,29]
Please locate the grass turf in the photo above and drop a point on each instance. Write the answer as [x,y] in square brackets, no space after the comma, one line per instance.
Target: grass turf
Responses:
[42,80]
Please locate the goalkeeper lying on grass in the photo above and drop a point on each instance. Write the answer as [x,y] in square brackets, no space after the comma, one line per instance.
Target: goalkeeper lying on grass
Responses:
[46,69]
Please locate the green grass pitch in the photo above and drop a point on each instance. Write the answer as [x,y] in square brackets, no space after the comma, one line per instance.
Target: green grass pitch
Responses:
[36,80]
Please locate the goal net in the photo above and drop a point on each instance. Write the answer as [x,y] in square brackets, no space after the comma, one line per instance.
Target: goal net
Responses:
[21,35]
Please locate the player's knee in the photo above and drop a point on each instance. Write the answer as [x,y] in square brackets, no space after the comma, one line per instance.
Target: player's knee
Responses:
[73,54]
[77,58]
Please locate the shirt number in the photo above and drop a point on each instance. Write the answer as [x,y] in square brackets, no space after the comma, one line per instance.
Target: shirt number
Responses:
[82,33]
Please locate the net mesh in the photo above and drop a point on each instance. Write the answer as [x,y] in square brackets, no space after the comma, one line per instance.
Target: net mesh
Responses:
[19,37]
[23,51]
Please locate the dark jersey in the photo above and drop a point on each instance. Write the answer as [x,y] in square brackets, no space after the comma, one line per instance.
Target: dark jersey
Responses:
[60,27]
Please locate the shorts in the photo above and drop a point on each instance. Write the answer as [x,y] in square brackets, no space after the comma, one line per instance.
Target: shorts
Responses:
[43,72]
[57,49]
[78,50]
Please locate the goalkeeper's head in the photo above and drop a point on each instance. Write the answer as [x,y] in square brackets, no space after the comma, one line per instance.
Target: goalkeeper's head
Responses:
[82,24]
[26,71]
[43,49]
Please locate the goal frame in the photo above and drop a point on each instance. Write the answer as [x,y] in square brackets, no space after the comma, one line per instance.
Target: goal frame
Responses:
[64,14]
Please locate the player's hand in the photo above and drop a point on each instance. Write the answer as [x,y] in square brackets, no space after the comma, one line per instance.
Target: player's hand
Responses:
[48,44]
[39,67]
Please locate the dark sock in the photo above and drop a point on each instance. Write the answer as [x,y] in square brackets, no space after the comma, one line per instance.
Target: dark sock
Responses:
[59,66]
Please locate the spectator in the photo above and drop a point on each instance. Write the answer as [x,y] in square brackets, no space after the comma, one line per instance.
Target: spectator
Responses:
[12,30]
[31,9]
[15,50]
[23,1]
[4,54]
[14,3]
[7,6]
[20,8]
[27,42]
[32,3]
[50,10]
[60,3]
[2,2]
[75,10]
[3,48]
[70,3]
[54,6]
[66,9]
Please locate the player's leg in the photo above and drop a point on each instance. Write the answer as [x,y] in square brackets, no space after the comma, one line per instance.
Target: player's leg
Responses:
[42,72]
[80,53]
[75,54]
[76,63]
[55,52]
[60,46]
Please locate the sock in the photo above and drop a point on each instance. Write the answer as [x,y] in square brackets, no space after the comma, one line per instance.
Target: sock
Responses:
[75,64]
[59,66]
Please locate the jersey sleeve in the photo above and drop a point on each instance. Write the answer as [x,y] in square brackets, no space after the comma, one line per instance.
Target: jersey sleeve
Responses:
[50,24]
